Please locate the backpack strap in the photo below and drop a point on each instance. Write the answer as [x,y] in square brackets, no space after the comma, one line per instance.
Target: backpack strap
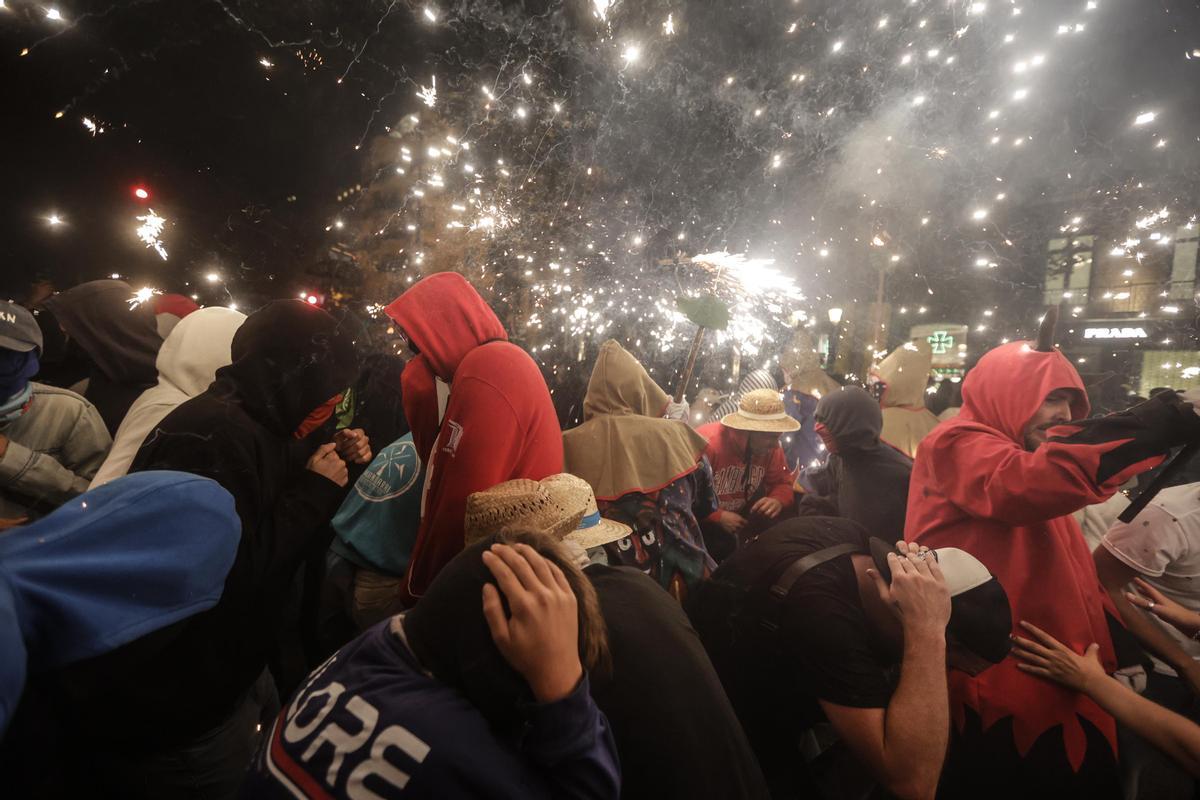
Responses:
[787,579]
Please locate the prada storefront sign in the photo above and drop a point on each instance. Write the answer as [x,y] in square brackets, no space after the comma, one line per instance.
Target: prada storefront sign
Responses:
[1119,332]
[1115,332]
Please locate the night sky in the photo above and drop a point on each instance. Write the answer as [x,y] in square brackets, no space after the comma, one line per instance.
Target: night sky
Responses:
[606,135]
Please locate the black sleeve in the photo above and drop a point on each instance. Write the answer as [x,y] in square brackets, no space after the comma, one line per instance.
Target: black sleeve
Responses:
[1113,444]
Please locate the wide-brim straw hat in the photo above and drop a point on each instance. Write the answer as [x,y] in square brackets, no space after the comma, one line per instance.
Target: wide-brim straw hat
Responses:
[517,502]
[761,411]
[593,530]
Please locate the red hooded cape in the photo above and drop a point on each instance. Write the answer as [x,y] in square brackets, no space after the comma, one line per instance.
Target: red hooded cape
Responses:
[976,487]
[499,424]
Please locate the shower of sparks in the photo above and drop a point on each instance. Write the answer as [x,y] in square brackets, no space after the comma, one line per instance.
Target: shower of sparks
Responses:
[583,272]
[428,94]
[151,230]
[748,277]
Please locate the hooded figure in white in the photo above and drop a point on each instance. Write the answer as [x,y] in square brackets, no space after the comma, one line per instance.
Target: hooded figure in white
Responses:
[187,363]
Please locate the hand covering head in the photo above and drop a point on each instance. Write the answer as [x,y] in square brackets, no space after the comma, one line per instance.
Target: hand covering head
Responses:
[980,614]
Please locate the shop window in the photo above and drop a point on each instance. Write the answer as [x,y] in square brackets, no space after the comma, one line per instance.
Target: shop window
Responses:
[1175,369]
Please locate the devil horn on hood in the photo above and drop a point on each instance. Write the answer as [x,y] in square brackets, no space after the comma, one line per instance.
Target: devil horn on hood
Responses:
[1045,339]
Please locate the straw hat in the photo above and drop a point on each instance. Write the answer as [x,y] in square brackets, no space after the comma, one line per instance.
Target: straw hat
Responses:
[521,501]
[575,493]
[761,411]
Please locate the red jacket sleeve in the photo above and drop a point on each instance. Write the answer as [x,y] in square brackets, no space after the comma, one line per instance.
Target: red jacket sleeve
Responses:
[778,480]
[480,440]
[991,477]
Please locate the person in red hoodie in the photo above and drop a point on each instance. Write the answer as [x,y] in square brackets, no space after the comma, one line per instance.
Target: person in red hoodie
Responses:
[499,421]
[754,486]
[1000,481]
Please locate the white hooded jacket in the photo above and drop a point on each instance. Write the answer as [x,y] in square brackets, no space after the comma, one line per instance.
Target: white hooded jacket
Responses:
[187,363]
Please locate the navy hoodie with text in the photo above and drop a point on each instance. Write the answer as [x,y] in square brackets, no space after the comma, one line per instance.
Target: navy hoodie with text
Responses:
[370,722]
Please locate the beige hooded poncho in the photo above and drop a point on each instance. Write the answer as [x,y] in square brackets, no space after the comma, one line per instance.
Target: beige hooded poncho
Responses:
[624,445]
[906,421]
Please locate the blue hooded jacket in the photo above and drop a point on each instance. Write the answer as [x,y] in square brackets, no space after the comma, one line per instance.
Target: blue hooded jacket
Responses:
[108,567]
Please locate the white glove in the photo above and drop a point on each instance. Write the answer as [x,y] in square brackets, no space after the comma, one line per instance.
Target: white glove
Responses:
[1192,396]
[679,411]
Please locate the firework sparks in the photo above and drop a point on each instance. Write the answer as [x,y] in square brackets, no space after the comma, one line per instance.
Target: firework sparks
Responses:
[428,94]
[150,232]
[141,296]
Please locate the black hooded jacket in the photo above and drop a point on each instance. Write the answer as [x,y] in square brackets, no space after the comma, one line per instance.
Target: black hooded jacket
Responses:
[119,338]
[288,359]
[864,479]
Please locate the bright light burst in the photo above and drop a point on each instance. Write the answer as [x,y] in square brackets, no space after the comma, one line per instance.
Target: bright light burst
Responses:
[150,232]
[748,277]
[141,296]
[428,94]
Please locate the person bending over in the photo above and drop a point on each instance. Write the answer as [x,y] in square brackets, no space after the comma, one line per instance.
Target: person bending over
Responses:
[479,691]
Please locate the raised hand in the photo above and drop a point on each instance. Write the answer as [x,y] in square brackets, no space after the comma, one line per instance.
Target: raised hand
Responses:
[540,635]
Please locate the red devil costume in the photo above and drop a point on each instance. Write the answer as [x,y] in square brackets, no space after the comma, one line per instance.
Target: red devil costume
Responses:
[975,486]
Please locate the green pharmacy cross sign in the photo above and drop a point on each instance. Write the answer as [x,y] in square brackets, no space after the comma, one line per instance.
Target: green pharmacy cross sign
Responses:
[941,342]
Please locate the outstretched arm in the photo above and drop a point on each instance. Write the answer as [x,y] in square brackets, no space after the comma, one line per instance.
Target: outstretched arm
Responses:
[1115,575]
[991,477]
[1049,658]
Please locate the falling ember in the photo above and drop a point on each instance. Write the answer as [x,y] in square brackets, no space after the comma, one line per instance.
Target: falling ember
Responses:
[151,230]
[428,94]
[1145,118]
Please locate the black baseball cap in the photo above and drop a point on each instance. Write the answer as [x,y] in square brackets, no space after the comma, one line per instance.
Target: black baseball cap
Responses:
[18,329]
[980,615]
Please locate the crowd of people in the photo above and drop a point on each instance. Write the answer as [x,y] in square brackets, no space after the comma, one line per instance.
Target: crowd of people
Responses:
[241,558]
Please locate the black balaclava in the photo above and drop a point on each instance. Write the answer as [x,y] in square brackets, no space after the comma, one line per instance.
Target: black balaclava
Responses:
[852,417]
[449,635]
[289,358]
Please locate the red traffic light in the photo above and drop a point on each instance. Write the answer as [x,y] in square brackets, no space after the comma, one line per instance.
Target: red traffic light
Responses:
[141,193]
